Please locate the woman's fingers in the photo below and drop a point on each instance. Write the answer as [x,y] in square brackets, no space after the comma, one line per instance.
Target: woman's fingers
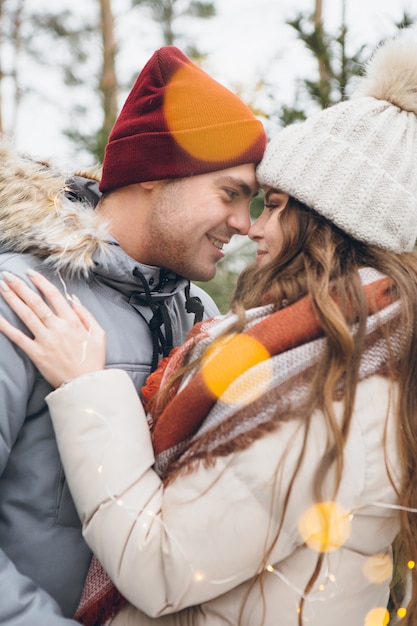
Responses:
[32,310]
[84,315]
[33,300]
[67,340]
[61,305]
[20,339]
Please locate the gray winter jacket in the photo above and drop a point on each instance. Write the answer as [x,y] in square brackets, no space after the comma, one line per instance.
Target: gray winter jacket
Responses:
[44,225]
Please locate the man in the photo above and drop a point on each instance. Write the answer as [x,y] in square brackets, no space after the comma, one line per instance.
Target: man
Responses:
[177,179]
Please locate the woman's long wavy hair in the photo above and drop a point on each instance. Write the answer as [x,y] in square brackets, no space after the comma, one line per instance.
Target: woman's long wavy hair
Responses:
[319,259]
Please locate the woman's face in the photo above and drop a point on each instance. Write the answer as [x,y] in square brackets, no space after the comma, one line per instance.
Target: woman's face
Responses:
[266,231]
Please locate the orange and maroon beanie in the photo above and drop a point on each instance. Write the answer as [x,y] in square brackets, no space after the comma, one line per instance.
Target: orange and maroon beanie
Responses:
[176,122]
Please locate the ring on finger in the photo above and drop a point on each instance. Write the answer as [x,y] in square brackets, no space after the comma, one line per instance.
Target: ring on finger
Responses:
[46,317]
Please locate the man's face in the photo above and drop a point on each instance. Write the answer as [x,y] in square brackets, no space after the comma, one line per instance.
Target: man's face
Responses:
[191,219]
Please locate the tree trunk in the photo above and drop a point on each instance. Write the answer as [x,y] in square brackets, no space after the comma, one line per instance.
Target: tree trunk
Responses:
[344,74]
[318,25]
[323,55]
[16,41]
[108,83]
[167,22]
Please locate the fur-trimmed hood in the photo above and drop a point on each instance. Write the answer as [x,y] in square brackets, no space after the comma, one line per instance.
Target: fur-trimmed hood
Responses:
[41,214]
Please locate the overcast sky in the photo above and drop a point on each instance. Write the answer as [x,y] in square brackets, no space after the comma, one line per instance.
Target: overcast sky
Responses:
[247,38]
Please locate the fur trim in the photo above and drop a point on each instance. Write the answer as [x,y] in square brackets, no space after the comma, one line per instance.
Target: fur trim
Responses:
[391,73]
[36,217]
[93,172]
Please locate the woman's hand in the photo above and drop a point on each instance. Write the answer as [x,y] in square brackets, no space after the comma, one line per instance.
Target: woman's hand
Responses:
[67,341]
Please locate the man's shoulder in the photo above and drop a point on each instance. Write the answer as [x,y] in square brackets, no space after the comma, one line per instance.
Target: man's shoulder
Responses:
[18,263]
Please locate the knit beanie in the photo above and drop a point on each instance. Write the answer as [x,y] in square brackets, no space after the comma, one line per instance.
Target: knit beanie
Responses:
[178,121]
[355,163]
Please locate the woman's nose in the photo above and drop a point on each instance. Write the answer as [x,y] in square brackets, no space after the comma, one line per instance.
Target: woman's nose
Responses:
[255,230]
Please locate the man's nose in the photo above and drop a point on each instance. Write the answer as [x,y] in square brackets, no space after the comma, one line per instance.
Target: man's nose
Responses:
[240,221]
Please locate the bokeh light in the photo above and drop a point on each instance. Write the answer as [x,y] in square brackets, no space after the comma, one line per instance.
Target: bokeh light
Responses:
[378,568]
[179,111]
[325,526]
[228,358]
[250,385]
[377,617]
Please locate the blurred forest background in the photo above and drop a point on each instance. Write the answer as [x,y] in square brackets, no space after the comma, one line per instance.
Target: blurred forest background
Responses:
[80,52]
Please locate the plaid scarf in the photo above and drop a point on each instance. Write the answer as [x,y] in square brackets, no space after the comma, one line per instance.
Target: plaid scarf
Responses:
[251,396]
[100,600]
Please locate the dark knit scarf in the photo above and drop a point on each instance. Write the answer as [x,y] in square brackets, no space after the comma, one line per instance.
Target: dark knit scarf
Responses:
[197,426]
[100,600]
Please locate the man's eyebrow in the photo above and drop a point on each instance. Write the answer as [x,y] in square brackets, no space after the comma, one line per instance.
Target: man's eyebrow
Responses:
[245,189]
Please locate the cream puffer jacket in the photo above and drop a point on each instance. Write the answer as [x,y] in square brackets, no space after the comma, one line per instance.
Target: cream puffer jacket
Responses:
[194,549]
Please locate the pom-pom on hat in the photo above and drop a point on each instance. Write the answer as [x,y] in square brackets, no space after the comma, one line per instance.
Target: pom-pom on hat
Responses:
[176,122]
[355,163]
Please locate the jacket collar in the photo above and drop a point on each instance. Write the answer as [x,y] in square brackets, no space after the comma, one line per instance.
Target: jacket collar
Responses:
[118,269]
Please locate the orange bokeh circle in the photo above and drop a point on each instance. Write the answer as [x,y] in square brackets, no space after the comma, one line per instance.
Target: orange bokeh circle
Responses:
[217,132]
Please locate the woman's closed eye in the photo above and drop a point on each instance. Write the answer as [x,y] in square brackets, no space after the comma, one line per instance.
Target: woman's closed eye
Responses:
[271,206]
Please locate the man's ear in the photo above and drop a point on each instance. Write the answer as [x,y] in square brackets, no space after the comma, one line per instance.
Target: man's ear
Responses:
[148,184]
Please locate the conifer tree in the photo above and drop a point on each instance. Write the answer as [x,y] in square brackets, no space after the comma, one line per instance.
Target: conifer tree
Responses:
[336,67]
[167,13]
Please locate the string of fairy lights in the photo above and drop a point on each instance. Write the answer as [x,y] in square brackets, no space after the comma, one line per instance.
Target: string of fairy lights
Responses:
[324,527]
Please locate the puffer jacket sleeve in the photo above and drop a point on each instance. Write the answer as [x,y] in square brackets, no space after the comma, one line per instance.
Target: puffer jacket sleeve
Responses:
[23,603]
[21,600]
[159,545]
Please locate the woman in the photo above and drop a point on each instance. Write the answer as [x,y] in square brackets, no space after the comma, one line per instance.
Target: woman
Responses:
[277,463]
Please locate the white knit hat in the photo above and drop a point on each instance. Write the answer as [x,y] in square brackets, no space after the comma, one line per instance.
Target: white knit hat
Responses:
[355,163]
